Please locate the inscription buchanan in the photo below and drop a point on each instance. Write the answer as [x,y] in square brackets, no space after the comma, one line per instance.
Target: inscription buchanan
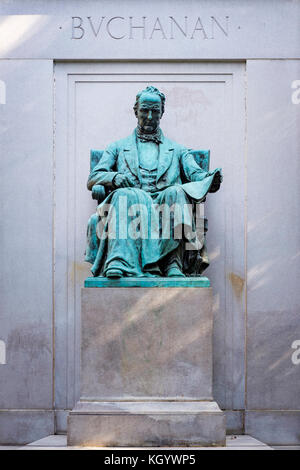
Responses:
[119,27]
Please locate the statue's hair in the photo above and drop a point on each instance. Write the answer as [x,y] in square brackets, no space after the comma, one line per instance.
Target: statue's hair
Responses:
[155,91]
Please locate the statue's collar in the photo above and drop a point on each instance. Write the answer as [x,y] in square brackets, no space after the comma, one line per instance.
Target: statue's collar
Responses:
[166,144]
[156,137]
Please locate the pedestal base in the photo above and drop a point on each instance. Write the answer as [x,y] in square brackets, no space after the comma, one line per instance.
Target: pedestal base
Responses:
[146,367]
[142,424]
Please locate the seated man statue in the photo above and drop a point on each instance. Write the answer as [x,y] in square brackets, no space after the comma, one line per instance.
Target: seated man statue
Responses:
[144,174]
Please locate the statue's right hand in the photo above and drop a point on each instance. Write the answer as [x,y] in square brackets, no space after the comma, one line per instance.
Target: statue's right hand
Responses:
[122,181]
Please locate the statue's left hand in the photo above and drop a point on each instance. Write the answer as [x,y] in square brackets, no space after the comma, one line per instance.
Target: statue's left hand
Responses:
[218,178]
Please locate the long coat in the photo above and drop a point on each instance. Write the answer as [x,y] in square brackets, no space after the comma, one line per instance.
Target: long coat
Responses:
[176,166]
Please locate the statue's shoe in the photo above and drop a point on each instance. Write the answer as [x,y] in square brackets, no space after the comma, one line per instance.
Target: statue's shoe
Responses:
[147,274]
[174,272]
[114,273]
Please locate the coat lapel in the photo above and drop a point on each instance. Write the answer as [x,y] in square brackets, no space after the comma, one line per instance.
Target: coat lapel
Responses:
[165,156]
[131,155]
[164,159]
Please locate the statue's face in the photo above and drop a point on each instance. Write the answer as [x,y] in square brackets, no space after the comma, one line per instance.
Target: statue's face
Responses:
[149,112]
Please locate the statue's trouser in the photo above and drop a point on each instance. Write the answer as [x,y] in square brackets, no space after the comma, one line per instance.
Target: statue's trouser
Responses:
[138,238]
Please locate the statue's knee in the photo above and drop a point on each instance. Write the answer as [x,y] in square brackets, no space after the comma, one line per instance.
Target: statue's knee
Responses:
[123,192]
[129,195]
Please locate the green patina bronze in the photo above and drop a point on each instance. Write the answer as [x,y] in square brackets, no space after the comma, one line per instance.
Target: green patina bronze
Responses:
[147,282]
[148,171]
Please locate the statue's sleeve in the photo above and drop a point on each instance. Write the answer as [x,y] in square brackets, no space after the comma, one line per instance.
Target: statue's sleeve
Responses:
[200,181]
[191,169]
[104,172]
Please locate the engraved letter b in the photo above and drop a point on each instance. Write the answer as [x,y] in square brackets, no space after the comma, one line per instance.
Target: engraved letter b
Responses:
[78,26]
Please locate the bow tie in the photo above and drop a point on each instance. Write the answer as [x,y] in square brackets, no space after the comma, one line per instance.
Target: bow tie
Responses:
[156,137]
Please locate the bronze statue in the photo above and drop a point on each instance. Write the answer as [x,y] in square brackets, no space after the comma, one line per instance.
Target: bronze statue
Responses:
[144,175]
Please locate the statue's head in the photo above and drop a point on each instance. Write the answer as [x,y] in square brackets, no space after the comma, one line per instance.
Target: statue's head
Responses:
[149,108]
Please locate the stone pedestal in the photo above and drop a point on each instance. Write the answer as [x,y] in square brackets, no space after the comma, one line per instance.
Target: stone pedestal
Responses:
[146,371]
